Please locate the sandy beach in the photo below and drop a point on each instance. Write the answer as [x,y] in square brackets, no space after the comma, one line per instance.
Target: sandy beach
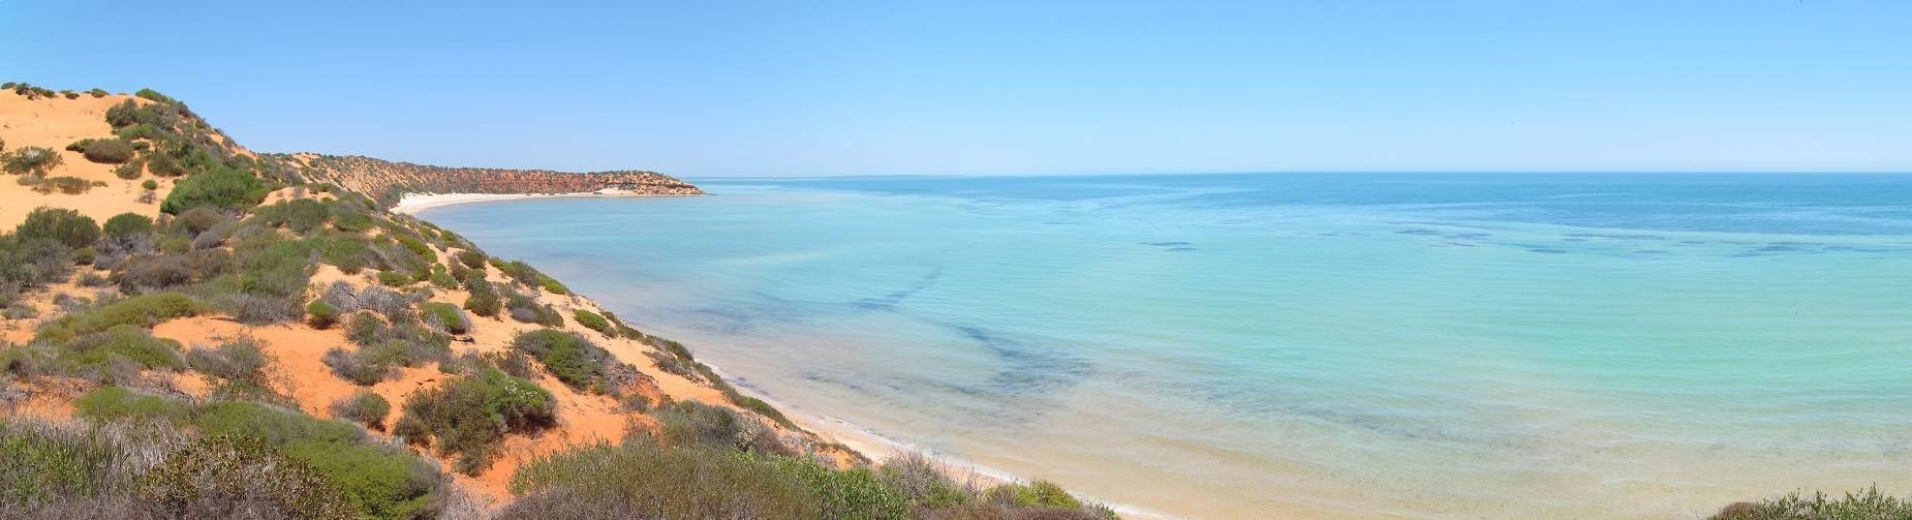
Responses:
[412,203]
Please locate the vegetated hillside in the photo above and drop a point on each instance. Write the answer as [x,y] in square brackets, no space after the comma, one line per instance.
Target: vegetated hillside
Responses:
[386,180]
[210,334]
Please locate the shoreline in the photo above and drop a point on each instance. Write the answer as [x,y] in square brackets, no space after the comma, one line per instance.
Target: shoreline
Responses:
[878,448]
[871,445]
[413,203]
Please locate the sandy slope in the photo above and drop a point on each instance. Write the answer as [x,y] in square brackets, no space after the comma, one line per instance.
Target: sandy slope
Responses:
[297,348]
[54,123]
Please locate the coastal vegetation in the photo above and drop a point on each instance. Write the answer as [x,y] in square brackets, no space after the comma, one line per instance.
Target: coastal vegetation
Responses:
[254,343]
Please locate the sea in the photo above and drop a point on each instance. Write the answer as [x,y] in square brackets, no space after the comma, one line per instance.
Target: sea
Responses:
[1248,346]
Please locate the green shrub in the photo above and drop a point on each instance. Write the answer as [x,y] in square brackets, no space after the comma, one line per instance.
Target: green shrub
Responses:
[302,216]
[149,185]
[468,416]
[923,482]
[221,187]
[351,219]
[97,350]
[164,166]
[157,272]
[130,171]
[219,476]
[510,362]
[321,315]
[364,329]
[483,300]
[85,256]
[394,279]
[694,424]
[569,357]
[364,408]
[446,317]
[1867,504]
[114,403]
[659,481]
[240,361]
[97,93]
[31,160]
[140,311]
[64,184]
[137,131]
[278,269]
[418,247]
[528,310]
[32,262]
[378,482]
[593,321]
[128,224]
[551,285]
[109,151]
[67,226]
[471,259]
[350,367]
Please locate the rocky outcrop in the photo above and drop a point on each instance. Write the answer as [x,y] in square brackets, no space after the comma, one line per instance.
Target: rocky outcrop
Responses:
[389,180]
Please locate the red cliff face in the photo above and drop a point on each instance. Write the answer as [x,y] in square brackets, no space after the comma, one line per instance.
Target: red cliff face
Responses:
[387,180]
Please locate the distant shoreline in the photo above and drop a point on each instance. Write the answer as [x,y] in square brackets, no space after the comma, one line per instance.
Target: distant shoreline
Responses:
[412,203]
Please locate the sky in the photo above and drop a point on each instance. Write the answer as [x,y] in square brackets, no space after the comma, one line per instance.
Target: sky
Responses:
[742,88]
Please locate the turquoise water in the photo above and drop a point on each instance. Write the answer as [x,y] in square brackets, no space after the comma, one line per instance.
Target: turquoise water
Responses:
[1298,346]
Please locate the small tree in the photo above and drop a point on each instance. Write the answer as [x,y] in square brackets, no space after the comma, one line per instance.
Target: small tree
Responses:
[66,226]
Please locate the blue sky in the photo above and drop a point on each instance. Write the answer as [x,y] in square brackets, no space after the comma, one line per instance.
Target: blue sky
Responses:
[987,87]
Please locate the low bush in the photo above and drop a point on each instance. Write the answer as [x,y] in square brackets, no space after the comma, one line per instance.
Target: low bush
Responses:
[31,160]
[593,321]
[511,362]
[131,170]
[364,408]
[483,299]
[219,187]
[253,309]
[100,350]
[67,226]
[923,481]
[108,151]
[63,184]
[146,471]
[198,220]
[154,272]
[128,224]
[528,310]
[445,317]
[240,363]
[1867,504]
[468,416]
[418,247]
[660,482]
[32,262]
[694,424]
[321,315]
[394,279]
[349,366]
[164,166]
[140,311]
[115,403]
[471,259]
[302,216]
[569,357]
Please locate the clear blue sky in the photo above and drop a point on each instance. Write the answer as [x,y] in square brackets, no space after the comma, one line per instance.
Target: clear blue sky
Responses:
[987,87]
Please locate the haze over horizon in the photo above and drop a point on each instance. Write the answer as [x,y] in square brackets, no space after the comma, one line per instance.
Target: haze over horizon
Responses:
[838,88]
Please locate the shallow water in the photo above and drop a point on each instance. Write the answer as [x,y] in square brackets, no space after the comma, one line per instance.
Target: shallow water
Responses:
[1298,346]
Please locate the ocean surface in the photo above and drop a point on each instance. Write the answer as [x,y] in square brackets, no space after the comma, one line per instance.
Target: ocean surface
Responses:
[1298,346]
